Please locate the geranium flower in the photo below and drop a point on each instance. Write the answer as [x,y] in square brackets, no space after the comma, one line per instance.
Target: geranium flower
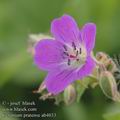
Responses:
[67,57]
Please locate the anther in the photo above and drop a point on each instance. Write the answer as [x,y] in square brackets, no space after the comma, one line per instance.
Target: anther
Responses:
[73,45]
[66,53]
[77,59]
[76,53]
[68,61]
[65,47]
[80,51]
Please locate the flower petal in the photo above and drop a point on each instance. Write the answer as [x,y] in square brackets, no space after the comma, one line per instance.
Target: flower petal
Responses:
[48,54]
[88,36]
[65,29]
[87,68]
[57,81]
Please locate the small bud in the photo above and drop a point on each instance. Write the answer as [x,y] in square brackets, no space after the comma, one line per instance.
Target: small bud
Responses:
[100,56]
[110,65]
[104,59]
[69,95]
[33,39]
[109,86]
[37,37]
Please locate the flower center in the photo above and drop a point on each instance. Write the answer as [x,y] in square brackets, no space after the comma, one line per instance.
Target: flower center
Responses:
[75,56]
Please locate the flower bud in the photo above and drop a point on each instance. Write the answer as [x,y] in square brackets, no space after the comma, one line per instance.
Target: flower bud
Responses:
[104,59]
[100,56]
[33,39]
[109,86]
[69,95]
[111,66]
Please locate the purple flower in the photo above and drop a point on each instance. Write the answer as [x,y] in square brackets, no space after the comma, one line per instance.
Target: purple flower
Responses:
[67,57]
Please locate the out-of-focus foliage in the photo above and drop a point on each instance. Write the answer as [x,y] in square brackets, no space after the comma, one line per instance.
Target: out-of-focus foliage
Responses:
[113,112]
[18,74]
[6,115]
[75,112]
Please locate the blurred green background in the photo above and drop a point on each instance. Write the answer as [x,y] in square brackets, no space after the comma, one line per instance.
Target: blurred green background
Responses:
[19,76]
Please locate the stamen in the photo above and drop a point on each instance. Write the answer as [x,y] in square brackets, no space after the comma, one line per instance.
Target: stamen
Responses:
[68,61]
[66,53]
[77,59]
[80,51]
[73,45]
[76,53]
[65,47]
